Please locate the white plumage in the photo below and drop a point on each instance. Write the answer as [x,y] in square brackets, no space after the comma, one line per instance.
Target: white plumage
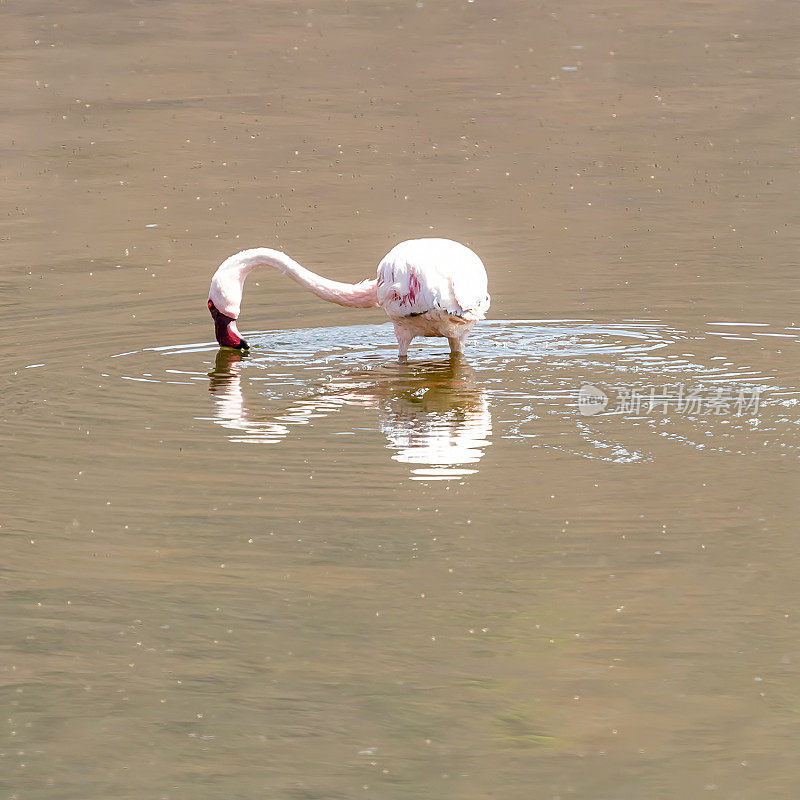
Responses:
[425,274]
[432,287]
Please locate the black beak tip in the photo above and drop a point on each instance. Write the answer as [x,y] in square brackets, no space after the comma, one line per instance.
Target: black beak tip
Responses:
[243,345]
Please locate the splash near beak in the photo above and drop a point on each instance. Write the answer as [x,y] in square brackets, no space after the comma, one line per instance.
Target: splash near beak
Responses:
[225,329]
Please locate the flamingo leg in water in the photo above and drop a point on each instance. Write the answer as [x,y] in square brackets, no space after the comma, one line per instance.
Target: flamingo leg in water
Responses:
[456,345]
[404,338]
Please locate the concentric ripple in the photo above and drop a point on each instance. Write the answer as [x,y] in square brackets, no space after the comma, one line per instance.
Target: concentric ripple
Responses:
[521,380]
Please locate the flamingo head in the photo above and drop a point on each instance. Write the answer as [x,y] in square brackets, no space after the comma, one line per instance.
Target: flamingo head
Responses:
[225,329]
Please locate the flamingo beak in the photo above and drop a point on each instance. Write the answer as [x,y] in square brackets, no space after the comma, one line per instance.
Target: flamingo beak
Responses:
[226,331]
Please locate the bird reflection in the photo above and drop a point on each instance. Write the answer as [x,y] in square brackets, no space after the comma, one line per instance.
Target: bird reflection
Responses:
[434,415]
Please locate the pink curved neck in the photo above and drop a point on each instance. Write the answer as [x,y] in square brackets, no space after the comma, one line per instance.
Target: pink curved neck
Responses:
[228,282]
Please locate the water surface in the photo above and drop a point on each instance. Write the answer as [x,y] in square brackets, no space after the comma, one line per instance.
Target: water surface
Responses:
[314,572]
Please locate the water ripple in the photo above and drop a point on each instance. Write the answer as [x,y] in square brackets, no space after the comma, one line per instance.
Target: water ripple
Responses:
[521,380]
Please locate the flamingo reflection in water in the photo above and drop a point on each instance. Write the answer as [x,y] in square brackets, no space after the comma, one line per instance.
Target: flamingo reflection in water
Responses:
[434,415]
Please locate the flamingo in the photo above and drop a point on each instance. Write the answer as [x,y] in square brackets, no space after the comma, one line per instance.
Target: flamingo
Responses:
[427,287]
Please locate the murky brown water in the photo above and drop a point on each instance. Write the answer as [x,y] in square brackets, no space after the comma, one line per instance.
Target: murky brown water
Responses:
[317,573]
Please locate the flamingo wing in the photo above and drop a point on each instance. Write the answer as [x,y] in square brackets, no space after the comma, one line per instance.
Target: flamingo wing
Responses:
[428,274]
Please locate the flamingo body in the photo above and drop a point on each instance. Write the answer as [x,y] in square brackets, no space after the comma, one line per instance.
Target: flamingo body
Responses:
[428,287]
[432,287]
